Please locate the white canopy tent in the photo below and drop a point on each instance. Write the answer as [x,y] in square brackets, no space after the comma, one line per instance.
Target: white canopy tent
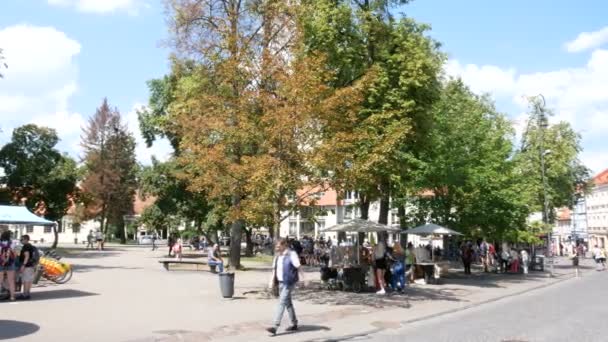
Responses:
[431,229]
[361,226]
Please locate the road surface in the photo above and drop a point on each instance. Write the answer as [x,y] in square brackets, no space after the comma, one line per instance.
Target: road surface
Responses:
[574,310]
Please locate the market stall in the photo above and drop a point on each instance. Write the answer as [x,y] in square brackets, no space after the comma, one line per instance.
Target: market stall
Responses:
[349,264]
[426,265]
[18,217]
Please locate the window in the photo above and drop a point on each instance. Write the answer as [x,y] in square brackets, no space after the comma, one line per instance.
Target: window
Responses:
[75,228]
[307,228]
[48,229]
[306,212]
[348,213]
[29,229]
[293,228]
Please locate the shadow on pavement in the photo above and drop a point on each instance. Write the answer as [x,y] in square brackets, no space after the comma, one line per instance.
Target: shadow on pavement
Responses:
[59,294]
[305,328]
[15,329]
[89,268]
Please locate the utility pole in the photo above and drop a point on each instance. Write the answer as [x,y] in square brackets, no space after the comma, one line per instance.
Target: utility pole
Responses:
[542,126]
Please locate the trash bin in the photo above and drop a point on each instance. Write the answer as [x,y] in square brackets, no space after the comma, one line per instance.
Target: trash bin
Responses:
[227,284]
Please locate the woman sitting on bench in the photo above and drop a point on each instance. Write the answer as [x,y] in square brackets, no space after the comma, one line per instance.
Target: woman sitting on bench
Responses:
[215,257]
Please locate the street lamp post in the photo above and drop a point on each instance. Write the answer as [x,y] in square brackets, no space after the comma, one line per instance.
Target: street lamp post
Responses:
[542,125]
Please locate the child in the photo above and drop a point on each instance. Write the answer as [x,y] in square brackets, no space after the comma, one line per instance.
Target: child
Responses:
[177,249]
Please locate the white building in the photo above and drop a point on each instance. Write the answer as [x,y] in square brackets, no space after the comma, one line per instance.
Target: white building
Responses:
[597,211]
[326,209]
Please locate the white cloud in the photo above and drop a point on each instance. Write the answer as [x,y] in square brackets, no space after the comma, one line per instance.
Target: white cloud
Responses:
[588,40]
[161,149]
[577,95]
[102,6]
[39,82]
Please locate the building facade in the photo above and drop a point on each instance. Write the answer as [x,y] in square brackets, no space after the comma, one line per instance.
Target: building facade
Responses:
[597,211]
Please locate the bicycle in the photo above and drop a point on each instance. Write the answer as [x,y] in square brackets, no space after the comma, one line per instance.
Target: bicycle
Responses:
[51,268]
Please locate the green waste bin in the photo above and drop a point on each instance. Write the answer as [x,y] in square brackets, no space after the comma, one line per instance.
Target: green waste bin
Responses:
[227,284]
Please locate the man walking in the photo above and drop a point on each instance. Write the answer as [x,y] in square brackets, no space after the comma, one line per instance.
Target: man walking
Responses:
[27,262]
[285,273]
[153,242]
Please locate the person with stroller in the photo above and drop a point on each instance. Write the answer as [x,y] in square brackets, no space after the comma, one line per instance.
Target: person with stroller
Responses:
[398,282]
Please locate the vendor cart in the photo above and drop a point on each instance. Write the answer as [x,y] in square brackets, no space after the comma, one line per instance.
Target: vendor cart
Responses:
[349,262]
[426,267]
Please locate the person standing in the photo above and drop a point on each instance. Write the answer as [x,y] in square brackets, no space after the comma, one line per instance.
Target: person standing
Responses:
[380,262]
[525,260]
[99,239]
[177,249]
[170,243]
[27,264]
[484,251]
[467,256]
[90,240]
[153,242]
[285,272]
[603,258]
[7,262]
[595,253]
[398,282]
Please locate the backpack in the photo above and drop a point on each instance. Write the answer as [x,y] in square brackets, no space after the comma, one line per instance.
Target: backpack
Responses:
[7,254]
[35,257]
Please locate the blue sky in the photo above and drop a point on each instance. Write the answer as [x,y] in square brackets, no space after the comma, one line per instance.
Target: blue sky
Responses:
[66,55]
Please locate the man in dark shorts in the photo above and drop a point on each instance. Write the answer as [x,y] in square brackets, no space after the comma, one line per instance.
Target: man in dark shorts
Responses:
[26,266]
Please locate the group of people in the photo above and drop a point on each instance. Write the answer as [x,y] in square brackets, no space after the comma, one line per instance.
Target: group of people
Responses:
[390,264]
[17,265]
[504,260]
[95,240]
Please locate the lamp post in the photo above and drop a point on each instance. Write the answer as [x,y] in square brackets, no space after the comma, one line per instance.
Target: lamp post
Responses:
[542,125]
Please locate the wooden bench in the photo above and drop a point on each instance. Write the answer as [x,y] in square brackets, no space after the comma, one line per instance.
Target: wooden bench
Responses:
[166,263]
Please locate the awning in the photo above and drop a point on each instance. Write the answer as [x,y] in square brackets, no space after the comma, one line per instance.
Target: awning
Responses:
[361,226]
[431,229]
[10,214]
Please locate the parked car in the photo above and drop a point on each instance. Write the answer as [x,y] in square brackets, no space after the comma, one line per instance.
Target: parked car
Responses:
[146,239]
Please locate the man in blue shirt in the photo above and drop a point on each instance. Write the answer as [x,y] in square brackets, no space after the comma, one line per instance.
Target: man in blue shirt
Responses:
[285,271]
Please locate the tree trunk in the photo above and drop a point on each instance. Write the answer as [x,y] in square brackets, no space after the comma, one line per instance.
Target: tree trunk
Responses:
[249,242]
[364,208]
[236,232]
[385,203]
[402,225]
[275,230]
[56,229]
[120,230]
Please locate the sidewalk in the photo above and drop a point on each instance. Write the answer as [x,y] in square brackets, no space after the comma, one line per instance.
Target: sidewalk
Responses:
[124,294]
[348,315]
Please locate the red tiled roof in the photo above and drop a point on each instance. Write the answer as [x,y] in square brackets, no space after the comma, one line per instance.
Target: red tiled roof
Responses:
[563,214]
[601,178]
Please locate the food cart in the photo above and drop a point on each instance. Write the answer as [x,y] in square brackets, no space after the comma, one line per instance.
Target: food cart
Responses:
[349,264]
[427,267]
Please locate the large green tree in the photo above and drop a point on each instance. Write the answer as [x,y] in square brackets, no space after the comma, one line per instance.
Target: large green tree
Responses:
[560,146]
[377,152]
[36,173]
[110,181]
[468,168]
